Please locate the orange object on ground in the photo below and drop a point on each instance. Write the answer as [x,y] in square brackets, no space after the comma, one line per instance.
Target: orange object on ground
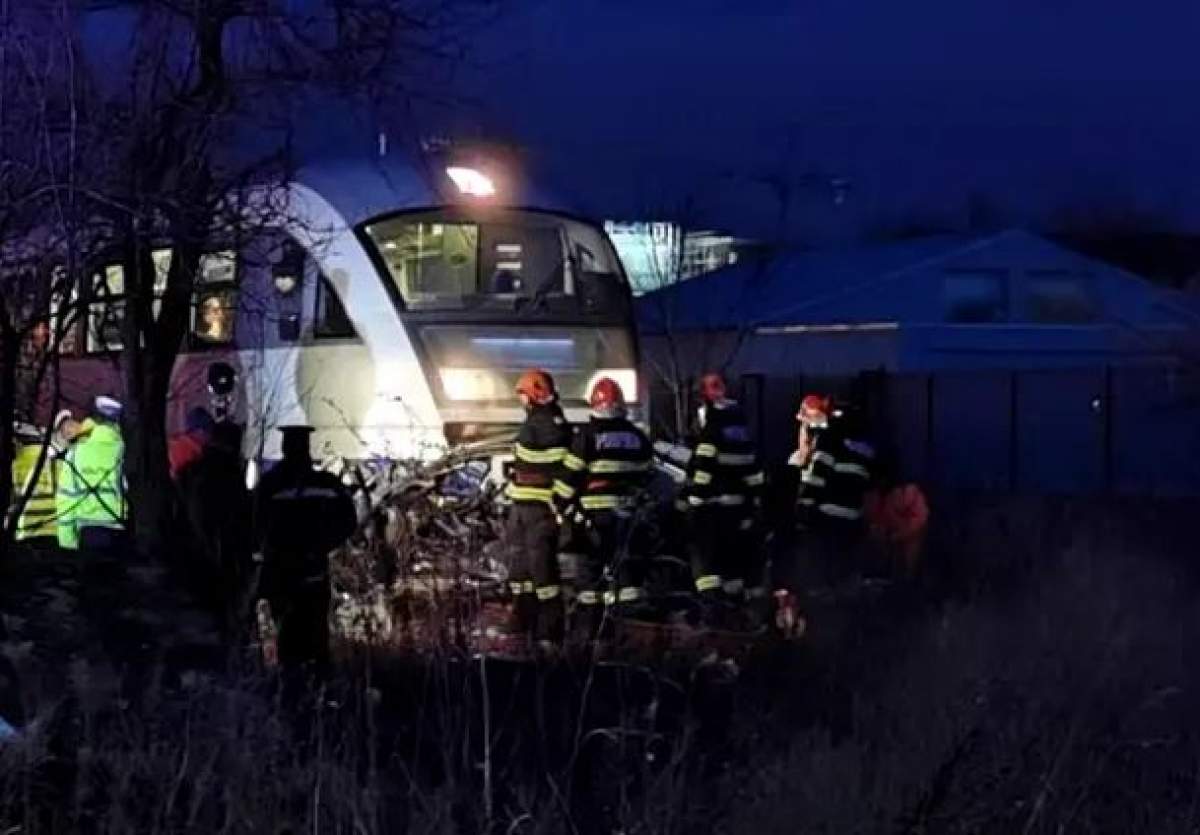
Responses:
[898,518]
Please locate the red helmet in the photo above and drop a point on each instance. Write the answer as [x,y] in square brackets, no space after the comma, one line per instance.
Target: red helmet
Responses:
[814,408]
[607,396]
[712,387]
[537,385]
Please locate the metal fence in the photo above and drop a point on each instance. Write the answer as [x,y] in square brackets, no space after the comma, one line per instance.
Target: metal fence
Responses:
[1117,429]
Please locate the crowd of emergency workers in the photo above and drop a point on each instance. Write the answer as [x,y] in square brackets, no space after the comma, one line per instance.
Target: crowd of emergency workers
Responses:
[752,544]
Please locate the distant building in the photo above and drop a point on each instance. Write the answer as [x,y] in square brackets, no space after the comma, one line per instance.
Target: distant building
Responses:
[998,362]
[651,252]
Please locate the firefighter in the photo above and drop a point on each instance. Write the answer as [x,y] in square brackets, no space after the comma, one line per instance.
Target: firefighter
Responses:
[36,523]
[300,515]
[609,462]
[532,534]
[723,494]
[835,475]
[91,489]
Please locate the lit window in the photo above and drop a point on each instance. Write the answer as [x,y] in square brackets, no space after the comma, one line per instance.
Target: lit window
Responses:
[64,311]
[218,268]
[432,264]
[162,269]
[106,311]
[215,308]
[439,262]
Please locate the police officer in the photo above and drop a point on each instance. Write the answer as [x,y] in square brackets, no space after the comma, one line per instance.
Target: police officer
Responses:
[609,462]
[300,515]
[532,534]
[91,489]
[722,491]
[36,523]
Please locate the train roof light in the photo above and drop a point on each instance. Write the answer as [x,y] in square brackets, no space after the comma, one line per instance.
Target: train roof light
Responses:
[471,181]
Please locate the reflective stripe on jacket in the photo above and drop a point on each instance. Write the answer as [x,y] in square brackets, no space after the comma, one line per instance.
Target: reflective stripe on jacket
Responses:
[724,467]
[91,487]
[38,518]
[540,449]
[834,480]
[610,460]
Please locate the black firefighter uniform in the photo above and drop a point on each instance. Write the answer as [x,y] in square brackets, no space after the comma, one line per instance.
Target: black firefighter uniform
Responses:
[723,488]
[532,528]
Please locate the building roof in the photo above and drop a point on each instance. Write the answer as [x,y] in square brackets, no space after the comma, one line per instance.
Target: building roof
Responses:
[760,292]
[894,283]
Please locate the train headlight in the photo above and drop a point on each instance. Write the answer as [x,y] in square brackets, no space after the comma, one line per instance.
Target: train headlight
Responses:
[626,378]
[466,384]
[471,181]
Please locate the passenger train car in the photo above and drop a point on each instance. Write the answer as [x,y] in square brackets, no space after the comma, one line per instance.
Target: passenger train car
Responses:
[393,311]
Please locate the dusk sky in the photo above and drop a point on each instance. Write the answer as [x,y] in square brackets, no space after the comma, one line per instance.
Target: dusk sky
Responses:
[1039,106]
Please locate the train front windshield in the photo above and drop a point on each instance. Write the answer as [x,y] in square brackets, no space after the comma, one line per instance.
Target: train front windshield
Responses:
[490,294]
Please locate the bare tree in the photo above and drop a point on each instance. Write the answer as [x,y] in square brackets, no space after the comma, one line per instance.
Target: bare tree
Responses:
[673,355]
[189,122]
[679,348]
[38,162]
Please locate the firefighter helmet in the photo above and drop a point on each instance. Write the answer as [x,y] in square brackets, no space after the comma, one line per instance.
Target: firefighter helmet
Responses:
[712,387]
[607,397]
[537,385]
[814,409]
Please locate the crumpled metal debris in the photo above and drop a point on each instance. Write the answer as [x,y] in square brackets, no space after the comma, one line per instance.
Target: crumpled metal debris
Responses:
[426,560]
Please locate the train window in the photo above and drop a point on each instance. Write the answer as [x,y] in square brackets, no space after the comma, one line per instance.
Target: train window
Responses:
[441,260]
[215,308]
[331,321]
[106,309]
[213,317]
[162,269]
[64,311]
[522,260]
[434,265]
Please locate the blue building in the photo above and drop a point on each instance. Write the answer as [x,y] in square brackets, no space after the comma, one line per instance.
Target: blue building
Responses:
[1004,362]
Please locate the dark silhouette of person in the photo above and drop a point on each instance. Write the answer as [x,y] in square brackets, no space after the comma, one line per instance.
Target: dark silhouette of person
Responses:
[300,515]
[216,506]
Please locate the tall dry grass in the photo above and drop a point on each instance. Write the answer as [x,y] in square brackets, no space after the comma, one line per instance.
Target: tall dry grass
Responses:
[1043,683]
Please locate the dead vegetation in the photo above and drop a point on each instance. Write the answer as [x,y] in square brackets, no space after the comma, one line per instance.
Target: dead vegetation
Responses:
[1048,688]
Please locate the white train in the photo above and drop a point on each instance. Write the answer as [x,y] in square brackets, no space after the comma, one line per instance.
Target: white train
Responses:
[393,311]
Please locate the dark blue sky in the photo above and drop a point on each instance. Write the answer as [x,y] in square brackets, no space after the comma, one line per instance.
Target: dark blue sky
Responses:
[1038,104]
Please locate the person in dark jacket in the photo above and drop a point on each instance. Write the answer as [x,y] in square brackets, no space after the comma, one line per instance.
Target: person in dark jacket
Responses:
[532,535]
[723,494]
[609,462]
[188,447]
[300,515]
[216,507]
